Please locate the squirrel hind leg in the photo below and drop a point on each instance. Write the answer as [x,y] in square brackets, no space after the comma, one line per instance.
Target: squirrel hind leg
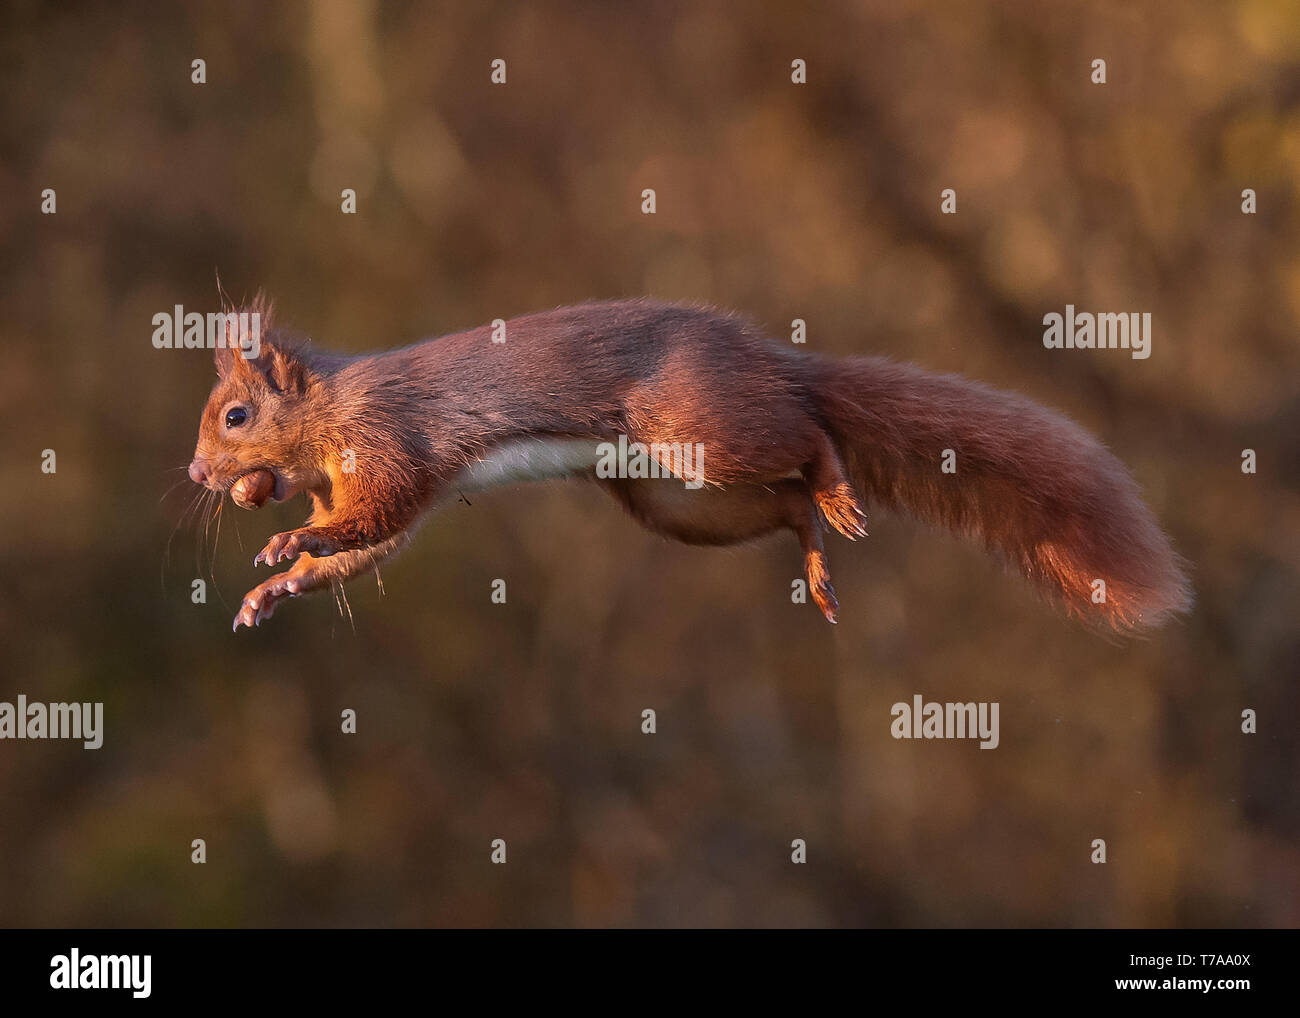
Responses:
[802,518]
[832,491]
[741,512]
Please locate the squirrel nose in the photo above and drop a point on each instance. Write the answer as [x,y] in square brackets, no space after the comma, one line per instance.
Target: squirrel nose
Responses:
[198,472]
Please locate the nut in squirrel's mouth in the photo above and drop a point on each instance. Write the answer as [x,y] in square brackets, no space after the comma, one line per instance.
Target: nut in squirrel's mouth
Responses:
[255,488]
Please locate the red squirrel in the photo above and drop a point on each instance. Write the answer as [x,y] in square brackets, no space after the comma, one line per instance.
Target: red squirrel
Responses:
[790,440]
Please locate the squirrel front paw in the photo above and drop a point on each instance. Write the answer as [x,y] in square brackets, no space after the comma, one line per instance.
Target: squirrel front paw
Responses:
[259,603]
[292,543]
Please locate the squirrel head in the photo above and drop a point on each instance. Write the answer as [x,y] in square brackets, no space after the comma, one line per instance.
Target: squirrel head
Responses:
[252,423]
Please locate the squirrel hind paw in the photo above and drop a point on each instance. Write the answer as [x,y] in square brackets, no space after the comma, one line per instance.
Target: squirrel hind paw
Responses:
[819,585]
[841,509]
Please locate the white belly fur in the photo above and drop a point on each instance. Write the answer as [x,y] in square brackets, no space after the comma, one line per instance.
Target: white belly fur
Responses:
[528,459]
[535,459]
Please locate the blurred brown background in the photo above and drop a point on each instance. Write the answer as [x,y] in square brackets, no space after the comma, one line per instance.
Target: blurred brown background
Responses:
[479,721]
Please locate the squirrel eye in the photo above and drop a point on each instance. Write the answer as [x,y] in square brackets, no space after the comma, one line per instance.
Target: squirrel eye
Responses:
[236,416]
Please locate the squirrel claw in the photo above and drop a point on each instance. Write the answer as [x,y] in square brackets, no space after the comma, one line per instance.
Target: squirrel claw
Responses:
[824,596]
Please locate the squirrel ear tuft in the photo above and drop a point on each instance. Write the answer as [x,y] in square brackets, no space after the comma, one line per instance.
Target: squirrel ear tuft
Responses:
[248,351]
[273,365]
[240,335]
[280,368]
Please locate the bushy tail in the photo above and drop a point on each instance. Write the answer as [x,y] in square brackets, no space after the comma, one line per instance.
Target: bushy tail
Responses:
[1028,482]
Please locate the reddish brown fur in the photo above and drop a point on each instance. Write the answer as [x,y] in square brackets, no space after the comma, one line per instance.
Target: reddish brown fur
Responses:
[1029,483]
[791,440]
